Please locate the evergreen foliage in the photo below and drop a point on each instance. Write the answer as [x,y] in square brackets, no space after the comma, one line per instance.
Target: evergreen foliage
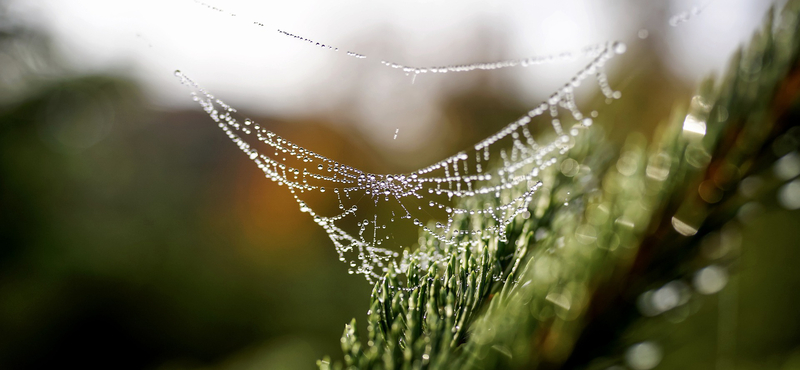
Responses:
[608,224]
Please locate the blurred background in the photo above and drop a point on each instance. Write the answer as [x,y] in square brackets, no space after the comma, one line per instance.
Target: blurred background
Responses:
[133,235]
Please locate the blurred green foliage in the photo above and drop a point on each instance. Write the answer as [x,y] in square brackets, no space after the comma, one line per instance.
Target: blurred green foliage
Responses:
[132,237]
[131,240]
[610,235]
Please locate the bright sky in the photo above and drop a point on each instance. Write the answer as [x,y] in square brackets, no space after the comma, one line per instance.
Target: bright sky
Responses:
[261,71]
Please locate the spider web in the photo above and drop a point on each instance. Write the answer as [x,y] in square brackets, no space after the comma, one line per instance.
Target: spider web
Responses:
[372,207]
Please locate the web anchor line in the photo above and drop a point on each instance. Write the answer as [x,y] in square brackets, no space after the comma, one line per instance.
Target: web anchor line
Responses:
[425,195]
[687,15]
[591,51]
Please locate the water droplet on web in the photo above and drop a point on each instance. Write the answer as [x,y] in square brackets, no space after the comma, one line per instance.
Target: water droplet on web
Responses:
[462,177]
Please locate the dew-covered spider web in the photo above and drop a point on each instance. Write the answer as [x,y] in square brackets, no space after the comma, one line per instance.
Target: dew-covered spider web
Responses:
[373,207]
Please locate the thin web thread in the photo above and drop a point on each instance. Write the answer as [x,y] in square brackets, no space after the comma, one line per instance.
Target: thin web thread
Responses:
[591,51]
[687,15]
[464,175]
